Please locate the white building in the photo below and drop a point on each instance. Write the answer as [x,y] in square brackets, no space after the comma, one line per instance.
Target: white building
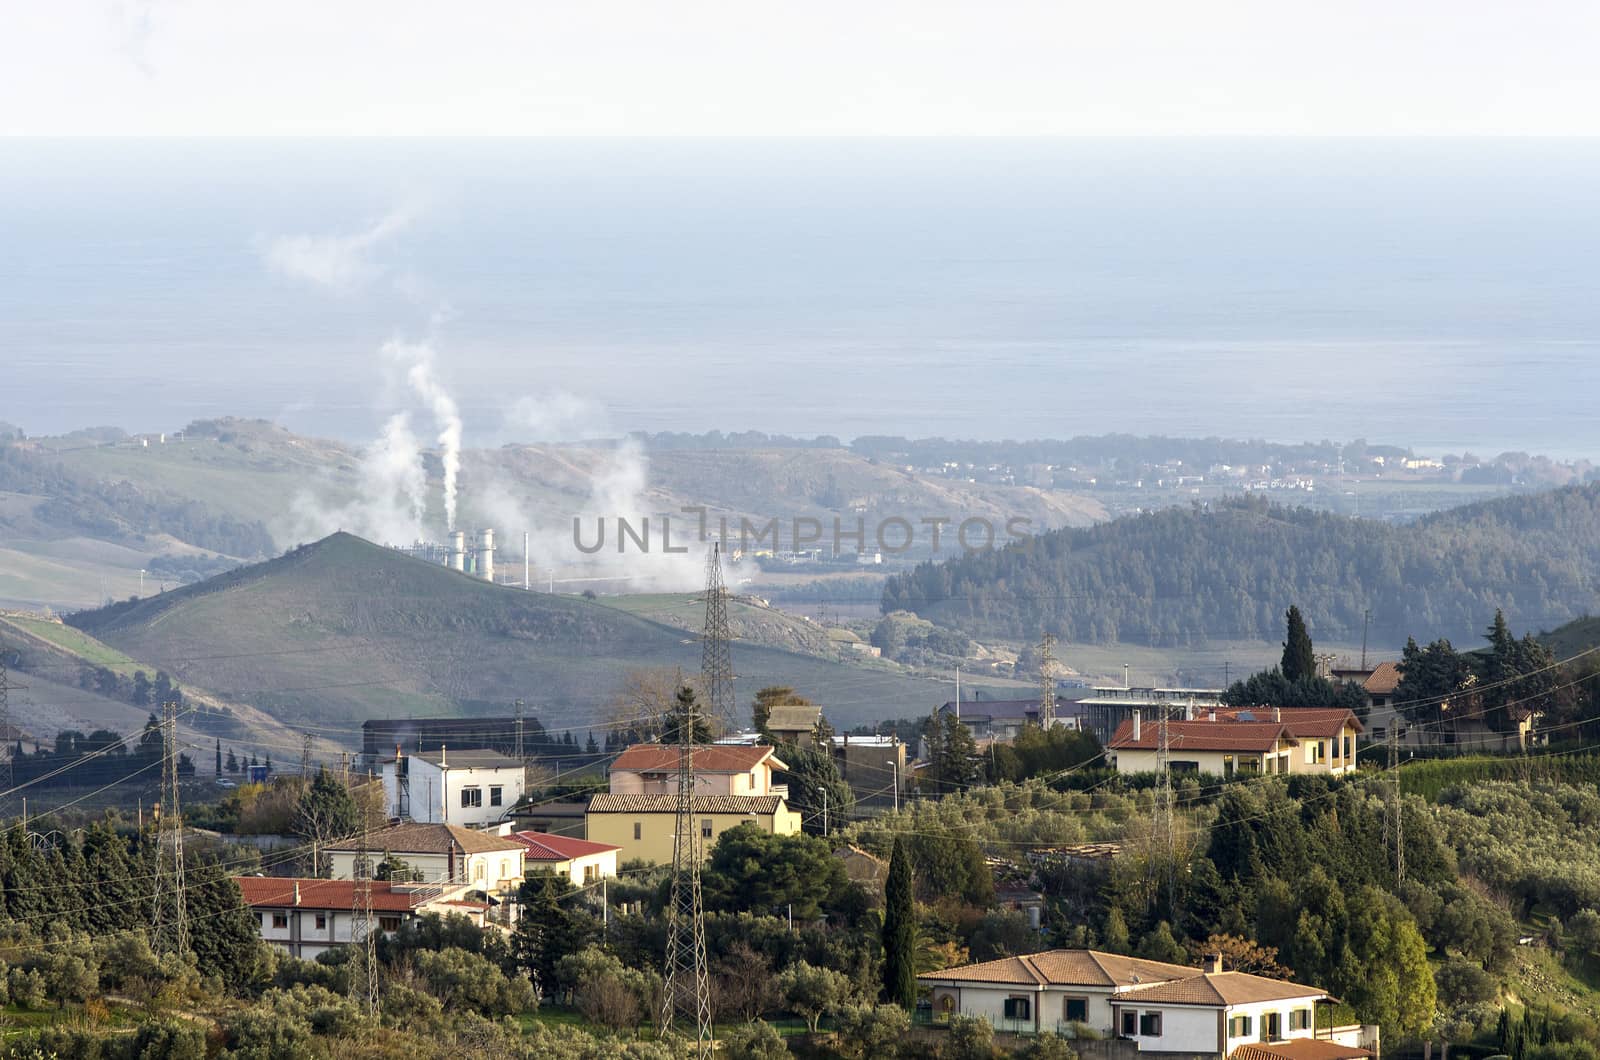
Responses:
[305,917]
[452,787]
[578,860]
[440,854]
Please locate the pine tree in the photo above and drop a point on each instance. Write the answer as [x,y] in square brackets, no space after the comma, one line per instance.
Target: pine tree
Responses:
[233,761]
[219,758]
[1299,661]
[899,932]
[685,705]
[591,747]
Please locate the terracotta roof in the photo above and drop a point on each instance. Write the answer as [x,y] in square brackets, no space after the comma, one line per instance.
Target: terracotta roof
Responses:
[414,837]
[1299,1049]
[793,717]
[1217,989]
[1065,968]
[544,846]
[278,892]
[708,758]
[606,802]
[1201,736]
[1300,721]
[1384,680]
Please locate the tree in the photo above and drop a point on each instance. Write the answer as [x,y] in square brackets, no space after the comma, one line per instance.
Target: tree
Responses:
[753,870]
[952,754]
[219,757]
[970,1038]
[755,1040]
[899,931]
[1159,945]
[1115,936]
[810,991]
[685,707]
[233,761]
[873,1031]
[1242,955]
[1299,661]
[549,929]
[815,786]
[326,812]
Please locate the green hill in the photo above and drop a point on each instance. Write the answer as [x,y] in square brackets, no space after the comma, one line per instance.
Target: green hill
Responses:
[343,630]
[1227,571]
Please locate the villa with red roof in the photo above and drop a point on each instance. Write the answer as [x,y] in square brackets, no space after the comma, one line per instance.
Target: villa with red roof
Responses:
[719,769]
[579,860]
[305,917]
[1229,741]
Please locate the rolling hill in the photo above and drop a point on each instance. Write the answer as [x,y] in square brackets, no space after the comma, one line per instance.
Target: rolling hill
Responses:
[342,630]
[1228,570]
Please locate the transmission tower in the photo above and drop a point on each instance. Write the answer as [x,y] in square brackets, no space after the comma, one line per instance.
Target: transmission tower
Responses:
[170,924]
[1047,681]
[688,984]
[363,933]
[716,664]
[1397,807]
[1164,836]
[6,777]
[520,752]
[305,756]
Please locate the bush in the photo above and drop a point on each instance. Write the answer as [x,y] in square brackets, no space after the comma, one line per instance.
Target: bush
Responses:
[970,1039]
[873,1030]
[755,1040]
[1047,1046]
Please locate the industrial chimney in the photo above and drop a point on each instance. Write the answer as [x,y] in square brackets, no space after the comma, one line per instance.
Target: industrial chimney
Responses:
[458,550]
[485,555]
[1137,728]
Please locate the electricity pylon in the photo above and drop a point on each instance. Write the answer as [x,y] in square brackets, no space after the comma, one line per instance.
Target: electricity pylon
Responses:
[716,662]
[1047,681]
[688,982]
[170,918]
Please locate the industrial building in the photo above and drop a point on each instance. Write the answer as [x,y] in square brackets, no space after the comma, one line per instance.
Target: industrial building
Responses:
[477,561]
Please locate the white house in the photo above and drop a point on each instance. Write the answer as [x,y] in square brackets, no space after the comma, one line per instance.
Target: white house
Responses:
[440,854]
[1229,741]
[579,860]
[305,917]
[452,787]
[1051,991]
[1217,1012]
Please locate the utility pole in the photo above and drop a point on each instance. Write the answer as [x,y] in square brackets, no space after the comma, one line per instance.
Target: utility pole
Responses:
[305,756]
[1047,681]
[363,933]
[170,919]
[520,753]
[1366,621]
[716,662]
[1164,837]
[688,984]
[1227,668]
[824,811]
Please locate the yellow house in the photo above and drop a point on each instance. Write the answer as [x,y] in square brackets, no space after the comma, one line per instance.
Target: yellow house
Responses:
[1243,741]
[642,825]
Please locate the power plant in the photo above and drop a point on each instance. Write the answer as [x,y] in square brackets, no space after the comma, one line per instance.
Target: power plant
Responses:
[478,561]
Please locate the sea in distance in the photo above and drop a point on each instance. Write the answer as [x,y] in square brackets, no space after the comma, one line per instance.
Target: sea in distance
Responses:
[1442,294]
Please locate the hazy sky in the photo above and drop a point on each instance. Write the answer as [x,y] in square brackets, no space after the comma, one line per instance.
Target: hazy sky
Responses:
[817,67]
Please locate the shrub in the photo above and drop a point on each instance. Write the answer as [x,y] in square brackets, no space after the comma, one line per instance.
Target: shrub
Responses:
[755,1040]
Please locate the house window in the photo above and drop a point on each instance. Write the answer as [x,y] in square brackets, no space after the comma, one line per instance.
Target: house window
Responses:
[471,798]
[1250,765]
[1349,746]
[1076,1010]
[1300,1019]
[1315,751]
[705,828]
[280,921]
[388,923]
[495,795]
[590,873]
[322,921]
[1227,767]
[1130,1023]
[1240,1026]
[637,828]
[1274,1026]
[1183,767]
[1018,1008]
[1150,1025]
[1379,734]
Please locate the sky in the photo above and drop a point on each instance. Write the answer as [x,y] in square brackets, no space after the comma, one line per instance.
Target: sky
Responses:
[813,68]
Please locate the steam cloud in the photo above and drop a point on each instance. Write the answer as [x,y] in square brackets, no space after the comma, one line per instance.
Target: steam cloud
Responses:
[417,360]
[335,262]
[390,501]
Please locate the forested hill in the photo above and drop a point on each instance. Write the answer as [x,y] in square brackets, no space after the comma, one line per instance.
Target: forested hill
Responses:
[1228,570]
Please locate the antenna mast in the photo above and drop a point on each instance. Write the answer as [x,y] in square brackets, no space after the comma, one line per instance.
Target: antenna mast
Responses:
[716,663]
[1047,681]
[170,917]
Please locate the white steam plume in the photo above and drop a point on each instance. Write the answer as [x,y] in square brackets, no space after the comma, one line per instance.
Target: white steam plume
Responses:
[390,496]
[417,360]
[339,263]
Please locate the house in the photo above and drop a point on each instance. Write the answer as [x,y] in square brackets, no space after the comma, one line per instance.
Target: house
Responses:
[305,917]
[1220,1012]
[1107,706]
[579,860]
[642,825]
[1466,728]
[794,723]
[1050,991]
[458,787]
[719,769]
[440,854]
[1162,1008]
[1242,741]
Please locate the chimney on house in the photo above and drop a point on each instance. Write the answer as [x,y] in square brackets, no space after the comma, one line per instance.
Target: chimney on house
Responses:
[296,892]
[1137,727]
[1213,964]
[1277,714]
[1212,716]
[442,762]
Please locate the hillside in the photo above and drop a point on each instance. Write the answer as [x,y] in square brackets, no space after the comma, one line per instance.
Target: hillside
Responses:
[1228,570]
[343,630]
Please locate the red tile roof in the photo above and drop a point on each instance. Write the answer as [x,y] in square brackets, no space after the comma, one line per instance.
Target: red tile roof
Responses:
[278,892]
[605,802]
[1384,680]
[1201,736]
[543,846]
[1300,721]
[1064,968]
[1218,989]
[417,837]
[1299,1049]
[709,758]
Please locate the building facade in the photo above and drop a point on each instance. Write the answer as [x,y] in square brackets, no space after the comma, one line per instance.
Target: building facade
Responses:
[579,860]
[642,826]
[305,917]
[719,769]
[473,788]
[440,854]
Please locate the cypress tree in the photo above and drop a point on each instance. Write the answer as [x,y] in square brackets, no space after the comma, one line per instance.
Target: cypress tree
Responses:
[1298,660]
[219,758]
[899,932]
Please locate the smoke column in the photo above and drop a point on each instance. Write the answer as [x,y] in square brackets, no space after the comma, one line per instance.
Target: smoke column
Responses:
[417,358]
